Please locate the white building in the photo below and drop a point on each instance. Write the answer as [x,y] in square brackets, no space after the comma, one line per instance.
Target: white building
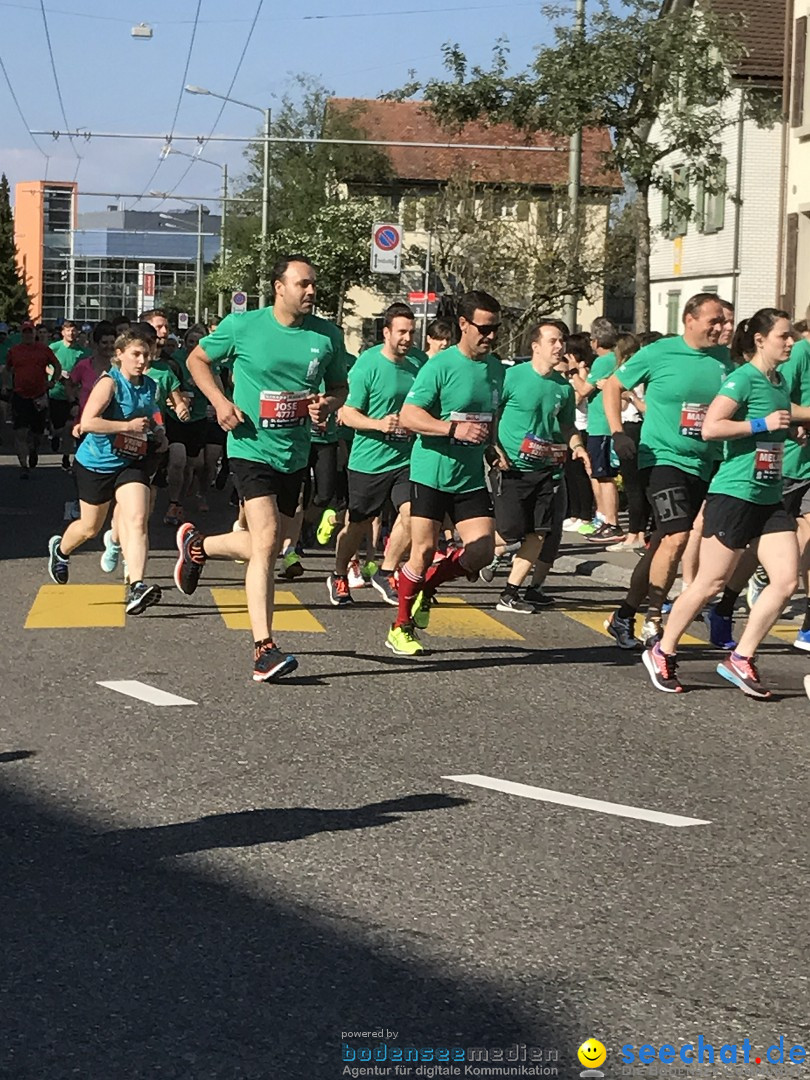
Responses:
[797,189]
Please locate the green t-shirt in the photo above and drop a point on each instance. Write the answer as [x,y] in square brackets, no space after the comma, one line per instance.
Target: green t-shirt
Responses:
[378,387]
[535,409]
[333,431]
[796,373]
[275,369]
[166,382]
[197,401]
[454,387]
[602,368]
[680,383]
[751,468]
[68,356]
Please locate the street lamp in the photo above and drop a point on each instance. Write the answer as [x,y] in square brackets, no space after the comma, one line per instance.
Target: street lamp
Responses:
[265,174]
[169,149]
[200,270]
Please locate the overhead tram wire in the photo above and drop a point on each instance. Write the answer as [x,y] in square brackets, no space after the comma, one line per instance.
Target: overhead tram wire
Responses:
[147,187]
[58,88]
[22,116]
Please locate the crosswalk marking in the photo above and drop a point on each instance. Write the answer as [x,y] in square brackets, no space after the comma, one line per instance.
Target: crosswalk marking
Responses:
[290,616]
[59,607]
[785,631]
[595,620]
[453,617]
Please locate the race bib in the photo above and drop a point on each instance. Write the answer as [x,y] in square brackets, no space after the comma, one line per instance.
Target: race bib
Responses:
[540,451]
[469,418]
[692,417]
[768,461]
[130,444]
[282,409]
[399,434]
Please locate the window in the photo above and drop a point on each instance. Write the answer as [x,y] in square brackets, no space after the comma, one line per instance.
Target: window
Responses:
[710,207]
[673,310]
[799,65]
[674,216]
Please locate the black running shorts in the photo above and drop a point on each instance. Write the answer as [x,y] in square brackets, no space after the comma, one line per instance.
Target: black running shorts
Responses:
[736,522]
[369,492]
[25,414]
[193,435]
[255,480]
[428,502]
[525,503]
[675,497]
[98,488]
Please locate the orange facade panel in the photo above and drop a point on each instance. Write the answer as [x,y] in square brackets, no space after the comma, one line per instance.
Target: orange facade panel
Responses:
[29,232]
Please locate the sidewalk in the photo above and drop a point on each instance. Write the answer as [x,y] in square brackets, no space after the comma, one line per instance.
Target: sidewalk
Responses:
[579,557]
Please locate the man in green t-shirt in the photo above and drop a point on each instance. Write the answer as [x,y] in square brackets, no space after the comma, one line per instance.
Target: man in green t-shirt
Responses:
[279,357]
[60,396]
[681,376]
[379,462]
[452,407]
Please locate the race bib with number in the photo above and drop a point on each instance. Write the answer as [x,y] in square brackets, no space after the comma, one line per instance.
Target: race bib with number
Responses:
[768,461]
[399,434]
[283,409]
[692,417]
[540,451]
[469,418]
[130,444]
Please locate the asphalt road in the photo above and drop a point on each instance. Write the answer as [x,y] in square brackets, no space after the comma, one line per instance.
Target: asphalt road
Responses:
[227,890]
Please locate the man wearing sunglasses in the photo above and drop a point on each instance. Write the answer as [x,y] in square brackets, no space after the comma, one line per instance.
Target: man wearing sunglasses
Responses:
[451,407]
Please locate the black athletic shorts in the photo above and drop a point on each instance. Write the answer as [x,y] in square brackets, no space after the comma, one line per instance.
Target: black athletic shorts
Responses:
[796,497]
[429,502]
[675,497]
[59,409]
[321,487]
[599,447]
[736,522]
[525,503]
[214,434]
[369,492]
[97,488]
[25,414]
[255,480]
[193,435]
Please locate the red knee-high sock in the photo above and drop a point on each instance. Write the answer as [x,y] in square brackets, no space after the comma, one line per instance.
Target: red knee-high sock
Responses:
[409,586]
[448,569]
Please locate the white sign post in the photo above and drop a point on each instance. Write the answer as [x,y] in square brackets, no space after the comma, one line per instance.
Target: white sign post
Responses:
[386,248]
[238,301]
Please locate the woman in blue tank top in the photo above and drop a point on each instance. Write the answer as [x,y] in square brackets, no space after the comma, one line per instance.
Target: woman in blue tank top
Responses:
[115,460]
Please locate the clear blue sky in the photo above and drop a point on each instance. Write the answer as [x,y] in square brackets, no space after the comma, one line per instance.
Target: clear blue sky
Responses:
[112,82]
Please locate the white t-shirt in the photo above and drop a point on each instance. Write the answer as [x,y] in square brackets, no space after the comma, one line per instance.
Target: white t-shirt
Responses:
[630,414]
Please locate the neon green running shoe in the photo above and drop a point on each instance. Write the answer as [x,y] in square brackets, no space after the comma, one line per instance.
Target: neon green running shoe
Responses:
[587,529]
[420,612]
[402,641]
[326,526]
[369,569]
[293,567]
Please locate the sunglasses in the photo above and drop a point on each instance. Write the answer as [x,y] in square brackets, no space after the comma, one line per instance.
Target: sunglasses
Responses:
[487,328]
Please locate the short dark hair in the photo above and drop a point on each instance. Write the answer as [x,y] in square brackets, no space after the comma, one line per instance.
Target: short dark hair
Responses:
[537,328]
[477,300]
[102,329]
[604,333]
[649,337]
[157,312]
[579,345]
[761,322]
[69,322]
[695,303]
[197,328]
[626,345]
[120,320]
[282,265]
[727,304]
[397,311]
[440,330]
[144,329]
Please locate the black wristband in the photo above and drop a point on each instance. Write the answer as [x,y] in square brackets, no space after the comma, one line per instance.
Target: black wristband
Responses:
[451,434]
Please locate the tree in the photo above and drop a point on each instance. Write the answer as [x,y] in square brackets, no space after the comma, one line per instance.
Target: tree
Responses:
[14,297]
[630,70]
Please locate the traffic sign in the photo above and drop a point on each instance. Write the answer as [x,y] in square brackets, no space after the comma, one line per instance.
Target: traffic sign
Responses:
[182,320]
[386,248]
[238,300]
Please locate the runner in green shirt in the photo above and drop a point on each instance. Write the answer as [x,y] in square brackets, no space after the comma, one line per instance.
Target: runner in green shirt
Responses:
[796,467]
[535,431]
[379,462]
[750,418]
[186,430]
[61,401]
[452,408]
[279,355]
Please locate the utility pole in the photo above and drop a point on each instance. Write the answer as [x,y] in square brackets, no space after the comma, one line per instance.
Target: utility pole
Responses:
[223,253]
[200,267]
[265,208]
[574,179]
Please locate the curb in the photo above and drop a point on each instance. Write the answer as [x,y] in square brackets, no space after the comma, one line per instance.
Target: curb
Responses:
[596,570]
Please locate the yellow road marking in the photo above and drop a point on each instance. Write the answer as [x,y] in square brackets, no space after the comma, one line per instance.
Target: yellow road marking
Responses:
[455,618]
[290,616]
[67,606]
[785,631]
[595,620]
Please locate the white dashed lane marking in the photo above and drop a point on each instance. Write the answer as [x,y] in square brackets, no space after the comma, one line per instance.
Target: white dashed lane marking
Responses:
[145,692]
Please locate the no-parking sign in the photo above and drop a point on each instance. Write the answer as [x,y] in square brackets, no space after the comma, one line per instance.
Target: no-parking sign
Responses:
[238,301]
[386,248]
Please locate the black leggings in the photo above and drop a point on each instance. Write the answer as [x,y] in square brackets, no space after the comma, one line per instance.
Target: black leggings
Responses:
[580,493]
[638,508]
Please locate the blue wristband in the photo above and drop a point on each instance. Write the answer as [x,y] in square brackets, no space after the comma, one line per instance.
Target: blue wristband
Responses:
[758,425]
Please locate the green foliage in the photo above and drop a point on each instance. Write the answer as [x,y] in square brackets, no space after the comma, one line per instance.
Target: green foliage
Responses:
[14,298]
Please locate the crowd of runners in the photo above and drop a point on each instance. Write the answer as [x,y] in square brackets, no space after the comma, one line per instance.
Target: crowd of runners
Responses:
[439,465]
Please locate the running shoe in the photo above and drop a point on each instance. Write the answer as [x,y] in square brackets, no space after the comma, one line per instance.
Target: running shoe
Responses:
[59,569]
[369,569]
[142,596]
[721,629]
[802,641]
[33,459]
[666,607]
[270,663]
[651,631]
[385,583]
[742,671]
[173,515]
[589,528]
[487,573]
[111,554]
[510,602]
[756,583]
[191,560]
[606,534]
[572,524]
[537,596]
[293,567]
[356,579]
[626,545]
[622,631]
[402,641]
[338,589]
[663,669]
[326,526]
[66,463]
[420,612]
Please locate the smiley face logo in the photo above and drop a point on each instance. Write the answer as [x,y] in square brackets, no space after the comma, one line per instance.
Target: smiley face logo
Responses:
[592,1054]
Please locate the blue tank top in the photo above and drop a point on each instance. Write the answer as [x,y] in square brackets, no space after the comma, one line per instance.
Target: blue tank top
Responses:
[99,452]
